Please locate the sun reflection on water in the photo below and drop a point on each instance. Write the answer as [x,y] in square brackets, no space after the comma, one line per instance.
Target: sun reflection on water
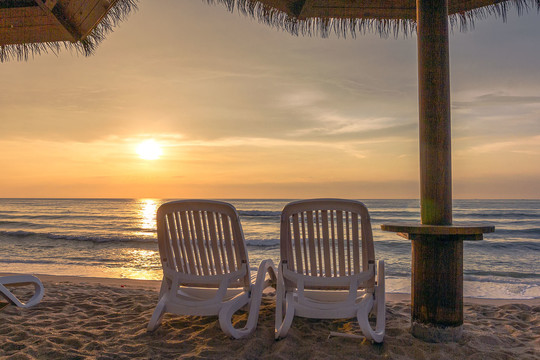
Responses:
[147,215]
[140,264]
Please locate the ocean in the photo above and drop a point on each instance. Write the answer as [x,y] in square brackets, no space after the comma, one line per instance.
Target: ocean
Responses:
[117,238]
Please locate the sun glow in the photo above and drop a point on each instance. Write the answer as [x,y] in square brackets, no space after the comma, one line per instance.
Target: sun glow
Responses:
[149,150]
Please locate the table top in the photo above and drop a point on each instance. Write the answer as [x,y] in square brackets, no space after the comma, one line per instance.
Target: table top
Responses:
[462,231]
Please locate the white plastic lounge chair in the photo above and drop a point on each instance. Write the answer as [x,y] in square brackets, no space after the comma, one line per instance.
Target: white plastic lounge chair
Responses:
[205,265]
[20,280]
[327,268]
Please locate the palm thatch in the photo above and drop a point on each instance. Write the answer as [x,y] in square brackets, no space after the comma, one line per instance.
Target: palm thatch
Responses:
[305,17]
[84,39]
[351,17]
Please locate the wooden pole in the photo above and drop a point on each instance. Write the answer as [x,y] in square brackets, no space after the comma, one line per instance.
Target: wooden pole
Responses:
[437,260]
[434,109]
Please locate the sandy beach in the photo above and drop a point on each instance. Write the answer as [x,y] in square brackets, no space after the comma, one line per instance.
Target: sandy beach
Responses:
[106,319]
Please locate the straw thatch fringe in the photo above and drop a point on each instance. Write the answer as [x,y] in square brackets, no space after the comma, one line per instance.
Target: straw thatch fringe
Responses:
[275,18]
[344,27]
[86,47]
[499,10]
[316,26]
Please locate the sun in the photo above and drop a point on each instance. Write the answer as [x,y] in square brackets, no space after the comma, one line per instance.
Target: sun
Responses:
[149,150]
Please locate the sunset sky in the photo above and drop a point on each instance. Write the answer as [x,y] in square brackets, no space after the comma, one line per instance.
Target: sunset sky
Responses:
[243,110]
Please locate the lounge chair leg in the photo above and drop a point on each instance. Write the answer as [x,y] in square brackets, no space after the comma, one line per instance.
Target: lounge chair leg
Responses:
[155,320]
[21,280]
[280,303]
[377,301]
[282,328]
[226,312]
[225,318]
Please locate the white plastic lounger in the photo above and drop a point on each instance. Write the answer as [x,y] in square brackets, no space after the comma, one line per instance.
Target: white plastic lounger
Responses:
[206,266]
[21,280]
[327,268]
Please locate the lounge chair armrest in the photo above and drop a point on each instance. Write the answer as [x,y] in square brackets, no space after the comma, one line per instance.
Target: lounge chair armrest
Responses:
[21,280]
[225,314]
[266,267]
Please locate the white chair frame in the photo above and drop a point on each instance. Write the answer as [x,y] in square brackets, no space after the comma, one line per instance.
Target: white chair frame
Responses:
[21,280]
[206,266]
[327,268]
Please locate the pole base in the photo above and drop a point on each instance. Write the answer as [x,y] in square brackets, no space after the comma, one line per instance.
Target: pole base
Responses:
[436,334]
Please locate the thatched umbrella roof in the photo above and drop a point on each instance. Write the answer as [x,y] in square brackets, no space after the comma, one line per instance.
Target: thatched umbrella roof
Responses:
[321,17]
[28,27]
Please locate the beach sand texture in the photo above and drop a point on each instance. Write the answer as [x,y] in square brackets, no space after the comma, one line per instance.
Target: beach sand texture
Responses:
[107,318]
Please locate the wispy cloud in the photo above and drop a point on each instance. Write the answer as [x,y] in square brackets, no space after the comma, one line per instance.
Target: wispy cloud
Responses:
[335,124]
[497,99]
[525,145]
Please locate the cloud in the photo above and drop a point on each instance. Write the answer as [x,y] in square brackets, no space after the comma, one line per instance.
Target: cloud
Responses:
[522,145]
[496,99]
[335,124]
[301,99]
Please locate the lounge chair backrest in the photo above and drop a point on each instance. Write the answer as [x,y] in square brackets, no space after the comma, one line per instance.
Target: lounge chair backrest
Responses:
[327,238]
[202,238]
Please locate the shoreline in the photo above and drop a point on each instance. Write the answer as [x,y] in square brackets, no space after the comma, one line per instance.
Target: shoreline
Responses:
[155,285]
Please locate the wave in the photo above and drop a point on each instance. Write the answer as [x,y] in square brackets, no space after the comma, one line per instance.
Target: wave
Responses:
[21,224]
[64,216]
[26,261]
[388,214]
[18,233]
[263,242]
[96,239]
[497,276]
[106,239]
[259,213]
[8,222]
[528,231]
[503,215]
[509,245]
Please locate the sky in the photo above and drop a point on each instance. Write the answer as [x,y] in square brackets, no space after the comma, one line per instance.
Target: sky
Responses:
[244,110]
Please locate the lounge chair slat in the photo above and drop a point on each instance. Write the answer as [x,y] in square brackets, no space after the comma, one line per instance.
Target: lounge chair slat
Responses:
[334,251]
[288,252]
[228,243]
[217,260]
[194,243]
[187,242]
[326,244]
[181,243]
[311,245]
[341,247]
[168,255]
[209,252]
[303,218]
[197,217]
[356,244]
[297,244]
[174,243]
[367,238]
[319,247]
[348,242]
[221,246]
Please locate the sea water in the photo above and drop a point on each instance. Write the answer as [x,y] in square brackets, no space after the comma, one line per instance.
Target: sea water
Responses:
[117,238]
